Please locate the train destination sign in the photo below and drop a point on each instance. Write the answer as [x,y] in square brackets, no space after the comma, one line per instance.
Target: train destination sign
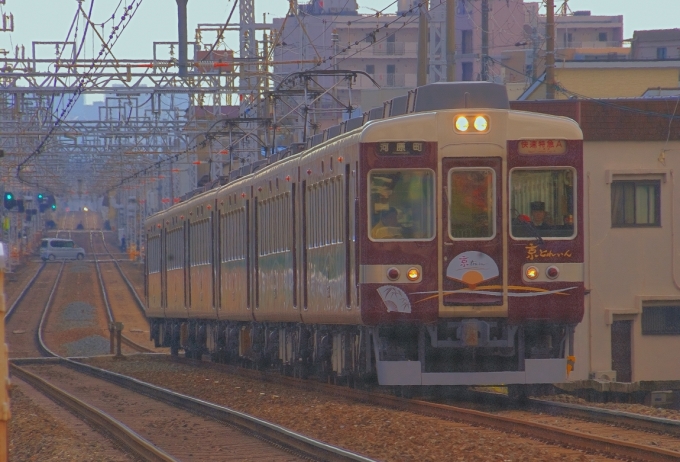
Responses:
[542,147]
[401,148]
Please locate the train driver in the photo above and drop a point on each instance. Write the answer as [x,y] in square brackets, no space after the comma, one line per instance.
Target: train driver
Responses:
[539,216]
[388,226]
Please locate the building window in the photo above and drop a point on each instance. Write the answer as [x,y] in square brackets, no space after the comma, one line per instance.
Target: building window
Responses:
[391,80]
[466,43]
[467,72]
[661,319]
[370,69]
[636,203]
[602,37]
[661,53]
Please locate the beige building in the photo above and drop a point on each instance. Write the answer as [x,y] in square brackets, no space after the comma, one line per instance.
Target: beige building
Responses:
[656,44]
[607,79]
[631,327]
[579,37]
[332,35]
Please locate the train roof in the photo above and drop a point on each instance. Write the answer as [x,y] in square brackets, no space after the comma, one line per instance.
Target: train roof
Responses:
[427,98]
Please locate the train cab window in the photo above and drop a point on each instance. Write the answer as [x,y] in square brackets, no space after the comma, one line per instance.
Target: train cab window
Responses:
[542,203]
[472,200]
[401,204]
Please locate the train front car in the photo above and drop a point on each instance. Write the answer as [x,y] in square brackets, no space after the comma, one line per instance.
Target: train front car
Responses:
[472,243]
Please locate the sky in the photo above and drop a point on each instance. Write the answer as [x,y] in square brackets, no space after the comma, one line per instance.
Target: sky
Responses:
[156,20]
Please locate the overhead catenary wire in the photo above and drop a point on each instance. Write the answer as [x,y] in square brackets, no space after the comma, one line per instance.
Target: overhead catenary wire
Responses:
[115,33]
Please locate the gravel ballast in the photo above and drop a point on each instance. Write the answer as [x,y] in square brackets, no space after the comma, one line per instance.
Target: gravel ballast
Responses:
[383,434]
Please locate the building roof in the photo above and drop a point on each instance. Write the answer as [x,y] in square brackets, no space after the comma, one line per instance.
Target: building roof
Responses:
[587,21]
[658,35]
[620,64]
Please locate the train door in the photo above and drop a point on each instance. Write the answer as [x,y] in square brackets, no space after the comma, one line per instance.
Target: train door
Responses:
[164,270]
[187,265]
[217,259]
[472,235]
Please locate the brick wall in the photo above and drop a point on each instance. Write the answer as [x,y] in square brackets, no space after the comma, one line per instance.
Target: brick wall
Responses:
[615,119]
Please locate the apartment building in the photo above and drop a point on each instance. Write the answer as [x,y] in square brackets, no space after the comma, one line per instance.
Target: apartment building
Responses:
[656,44]
[333,35]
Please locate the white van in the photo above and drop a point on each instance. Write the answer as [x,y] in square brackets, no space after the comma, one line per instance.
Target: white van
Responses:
[51,249]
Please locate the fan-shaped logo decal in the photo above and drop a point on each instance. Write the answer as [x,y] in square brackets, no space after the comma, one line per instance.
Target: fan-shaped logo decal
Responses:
[472,268]
[395,299]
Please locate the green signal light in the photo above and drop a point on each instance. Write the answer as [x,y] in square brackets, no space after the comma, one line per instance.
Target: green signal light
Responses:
[9,196]
[54,207]
[40,196]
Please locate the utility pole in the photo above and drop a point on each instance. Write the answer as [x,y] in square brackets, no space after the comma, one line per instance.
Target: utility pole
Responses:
[450,40]
[423,55]
[182,36]
[485,40]
[550,50]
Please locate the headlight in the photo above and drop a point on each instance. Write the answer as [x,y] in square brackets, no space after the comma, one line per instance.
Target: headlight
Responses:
[481,124]
[471,124]
[413,274]
[531,273]
[462,124]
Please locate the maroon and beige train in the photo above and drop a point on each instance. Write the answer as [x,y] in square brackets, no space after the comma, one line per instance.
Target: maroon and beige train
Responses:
[437,241]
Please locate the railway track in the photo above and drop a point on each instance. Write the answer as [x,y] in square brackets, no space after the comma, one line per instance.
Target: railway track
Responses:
[614,434]
[23,320]
[150,418]
[142,421]
[123,298]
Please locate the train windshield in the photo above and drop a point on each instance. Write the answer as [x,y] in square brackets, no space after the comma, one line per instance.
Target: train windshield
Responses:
[472,203]
[542,203]
[401,204]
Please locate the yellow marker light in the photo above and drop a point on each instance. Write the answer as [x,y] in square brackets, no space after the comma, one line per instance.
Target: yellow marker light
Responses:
[481,124]
[531,272]
[462,124]
[413,274]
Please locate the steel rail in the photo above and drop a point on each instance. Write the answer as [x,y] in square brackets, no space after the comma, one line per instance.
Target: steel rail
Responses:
[103,422]
[608,416]
[266,430]
[140,304]
[588,413]
[41,326]
[10,311]
[105,296]
[116,431]
[547,433]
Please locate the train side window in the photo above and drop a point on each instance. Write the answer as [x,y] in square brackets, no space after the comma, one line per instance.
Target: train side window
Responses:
[324,209]
[543,203]
[401,204]
[472,203]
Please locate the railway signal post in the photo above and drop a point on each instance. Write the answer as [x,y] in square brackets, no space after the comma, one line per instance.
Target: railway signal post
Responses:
[4,358]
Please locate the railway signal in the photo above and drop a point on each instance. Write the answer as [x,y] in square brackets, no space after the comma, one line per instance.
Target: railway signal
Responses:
[10,201]
[44,202]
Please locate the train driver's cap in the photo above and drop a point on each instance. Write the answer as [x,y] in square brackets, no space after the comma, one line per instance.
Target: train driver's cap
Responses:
[538,205]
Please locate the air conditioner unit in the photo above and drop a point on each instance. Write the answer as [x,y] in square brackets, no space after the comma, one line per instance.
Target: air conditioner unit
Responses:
[605,376]
[661,398]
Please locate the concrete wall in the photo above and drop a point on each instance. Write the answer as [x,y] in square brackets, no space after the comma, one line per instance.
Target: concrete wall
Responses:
[628,266]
